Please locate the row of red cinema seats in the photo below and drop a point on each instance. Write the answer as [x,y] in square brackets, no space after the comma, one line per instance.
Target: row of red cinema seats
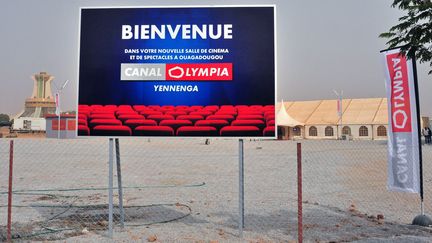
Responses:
[140,120]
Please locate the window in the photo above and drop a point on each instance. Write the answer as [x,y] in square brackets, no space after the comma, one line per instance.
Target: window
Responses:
[329,131]
[363,131]
[313,132]
[296,131]
[346,130]
[382,131]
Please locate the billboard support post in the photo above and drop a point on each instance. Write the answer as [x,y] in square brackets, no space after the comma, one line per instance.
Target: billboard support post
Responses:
[241,187]
[110,188]
[119,182]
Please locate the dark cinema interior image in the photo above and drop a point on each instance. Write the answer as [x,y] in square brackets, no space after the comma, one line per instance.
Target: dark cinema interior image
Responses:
[192,71]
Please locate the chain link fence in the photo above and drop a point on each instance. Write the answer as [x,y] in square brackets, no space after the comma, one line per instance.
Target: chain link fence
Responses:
[182,190]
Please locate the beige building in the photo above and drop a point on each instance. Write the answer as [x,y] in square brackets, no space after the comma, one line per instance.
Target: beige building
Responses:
[361,119]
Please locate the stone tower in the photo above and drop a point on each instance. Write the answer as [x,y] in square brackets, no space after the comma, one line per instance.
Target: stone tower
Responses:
[42,101]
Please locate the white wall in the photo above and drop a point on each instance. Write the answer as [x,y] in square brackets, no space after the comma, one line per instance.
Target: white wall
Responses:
[337,131]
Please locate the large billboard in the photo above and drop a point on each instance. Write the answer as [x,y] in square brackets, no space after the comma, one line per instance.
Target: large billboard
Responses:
[177,71]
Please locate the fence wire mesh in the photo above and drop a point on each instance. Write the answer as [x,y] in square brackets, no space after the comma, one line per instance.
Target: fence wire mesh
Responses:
[182,190]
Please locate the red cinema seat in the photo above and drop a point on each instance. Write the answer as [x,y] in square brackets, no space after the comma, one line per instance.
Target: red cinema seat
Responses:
[269,107]
[82,122]
[196,107]
[202,113]
[226,112]
[110,107]
[175,113]
[154,106]
[241,107]
[84,107]
[192,118]
[147,113]
[228,107]
[125,107]
[130,116]
[257,123]
[220,117]
[83,130]
[249,112]
[168,107]
[102,116]
[110,122]
[159,118]
[175,124]
[106,130]
[96,107]
[133,123]
[270,117]
[268,113]
[126,112]
[182,107]
[256,107]
[84,112]
[211,108]
[197,131]
[269,131]
[102,112]
[218,124]
[153,131]
[240,131]
[250,117]
[139,107]
[271,123]
[82,117]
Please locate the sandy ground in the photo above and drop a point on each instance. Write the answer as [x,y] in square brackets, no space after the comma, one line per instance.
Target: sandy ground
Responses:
[182,190]
[6,134]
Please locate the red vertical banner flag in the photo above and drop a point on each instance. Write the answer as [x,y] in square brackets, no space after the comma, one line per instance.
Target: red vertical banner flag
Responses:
[57,102]
[339,107]
[403,143]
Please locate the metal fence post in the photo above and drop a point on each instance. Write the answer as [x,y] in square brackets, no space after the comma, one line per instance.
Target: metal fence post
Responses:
[9,217]
[110,189]
[241,187]
[119,182]
[299,194]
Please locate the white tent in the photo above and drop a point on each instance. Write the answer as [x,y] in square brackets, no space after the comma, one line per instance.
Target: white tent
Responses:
[284,119]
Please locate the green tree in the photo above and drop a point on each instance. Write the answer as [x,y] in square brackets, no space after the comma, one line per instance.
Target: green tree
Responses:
[4,118]
[414,31]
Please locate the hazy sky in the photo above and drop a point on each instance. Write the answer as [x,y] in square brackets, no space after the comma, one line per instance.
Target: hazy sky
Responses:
[322,45]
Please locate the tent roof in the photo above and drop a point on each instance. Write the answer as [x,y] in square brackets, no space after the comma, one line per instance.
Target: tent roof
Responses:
[361,111]
[381,116]
[284,119]
[324,112]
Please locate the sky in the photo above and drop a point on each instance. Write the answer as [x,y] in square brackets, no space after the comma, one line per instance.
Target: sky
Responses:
[321,46]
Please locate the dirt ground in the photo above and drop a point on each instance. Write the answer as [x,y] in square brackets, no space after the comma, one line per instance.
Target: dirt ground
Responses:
[4,131]
[185,191]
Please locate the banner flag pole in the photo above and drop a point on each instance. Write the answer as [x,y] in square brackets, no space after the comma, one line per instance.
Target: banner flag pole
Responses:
[422,219]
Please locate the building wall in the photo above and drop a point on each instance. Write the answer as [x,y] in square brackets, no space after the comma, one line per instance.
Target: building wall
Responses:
[320,132]
[355,132]
[375,129]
